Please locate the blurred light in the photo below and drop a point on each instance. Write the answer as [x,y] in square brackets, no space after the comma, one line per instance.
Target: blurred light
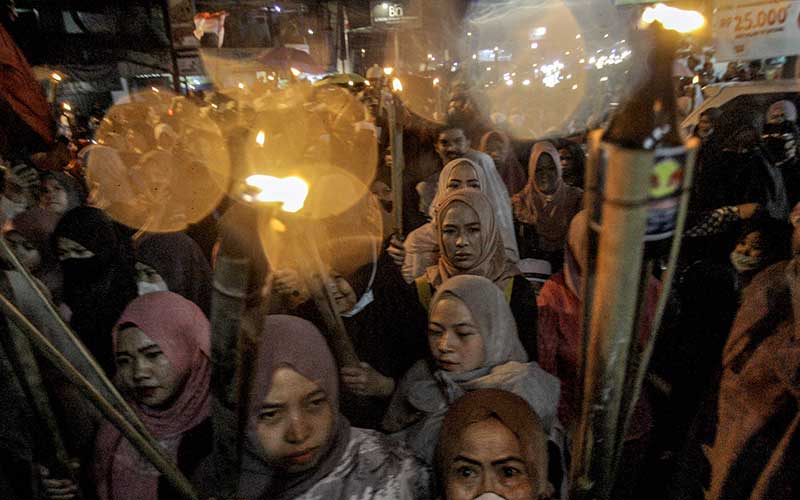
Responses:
[605,36]
[291,192]
[510,82]
[569,76]
[277,8]
[367,83]
[388,71]
[474,56]
[526,82]
[435,82]
[154,90]
[604,79]
[540,31]
[496,48]
[578,36]
[672,18]
[696,79]
[488,68]
[575,87]
[469,33]
[55,76]
[66,106]
[534,45]
[567,53]
[241,85]
[310,32]
[350,83]
[260,138]
[552,73]
[582,61]
[363,51]
[430,56]
[271,78]
[592,60]
[397,85]
[295,71]
[385,5]
[214,106]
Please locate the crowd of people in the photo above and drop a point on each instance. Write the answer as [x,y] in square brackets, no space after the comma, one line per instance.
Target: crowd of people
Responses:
[469,376]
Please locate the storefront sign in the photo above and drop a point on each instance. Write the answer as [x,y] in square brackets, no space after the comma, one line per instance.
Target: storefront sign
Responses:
[756,29]
[393,13]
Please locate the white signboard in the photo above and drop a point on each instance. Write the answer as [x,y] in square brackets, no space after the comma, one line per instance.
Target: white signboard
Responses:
[756,29]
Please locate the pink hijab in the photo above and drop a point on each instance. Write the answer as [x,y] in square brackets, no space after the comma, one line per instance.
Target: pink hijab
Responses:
[183,333]
[549,213]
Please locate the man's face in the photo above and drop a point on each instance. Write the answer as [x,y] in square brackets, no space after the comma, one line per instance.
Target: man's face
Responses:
[452,144]
[459,109]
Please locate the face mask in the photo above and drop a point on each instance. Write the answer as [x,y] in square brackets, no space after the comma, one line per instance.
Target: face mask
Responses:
[780,142]
[146,287]
[490,496]
[745,263]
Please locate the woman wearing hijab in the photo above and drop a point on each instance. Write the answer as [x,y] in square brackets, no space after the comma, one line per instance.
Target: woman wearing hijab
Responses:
[472,244]
[544,208]
[473,345]
[179,263]
[298,445]
[99,276]
[421,245]
[162,344]
[492,443]
[498,145]
[573,163]
[29,237]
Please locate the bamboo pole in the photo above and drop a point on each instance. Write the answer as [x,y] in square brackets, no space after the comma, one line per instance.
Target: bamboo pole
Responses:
[68,342]
[341,344]
[143,442]
[619,262]
[18,351]
[398,165]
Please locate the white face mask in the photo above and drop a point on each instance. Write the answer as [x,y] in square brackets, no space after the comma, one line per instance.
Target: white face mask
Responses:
[146,287]
[489,496]
[745,263]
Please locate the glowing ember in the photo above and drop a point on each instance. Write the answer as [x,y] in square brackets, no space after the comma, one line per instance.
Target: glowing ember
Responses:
[682,21]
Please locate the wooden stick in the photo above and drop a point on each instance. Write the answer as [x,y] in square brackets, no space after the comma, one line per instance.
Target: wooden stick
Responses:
[67,342]
[19,353]
[340,341]
[398,164]
[143,442]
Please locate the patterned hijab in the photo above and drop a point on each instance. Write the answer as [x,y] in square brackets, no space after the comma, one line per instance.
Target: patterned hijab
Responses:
[493,262]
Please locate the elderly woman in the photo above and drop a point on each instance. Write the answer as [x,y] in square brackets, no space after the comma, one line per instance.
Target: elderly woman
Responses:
[492,443]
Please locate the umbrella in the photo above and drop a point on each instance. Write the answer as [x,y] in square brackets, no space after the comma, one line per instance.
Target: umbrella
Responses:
[286,58]
[341,79]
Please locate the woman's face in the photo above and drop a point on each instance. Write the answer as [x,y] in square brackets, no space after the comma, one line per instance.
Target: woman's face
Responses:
[496,149]
[145,370]
[489,460]
[294,422]
[70,249]
[751,245]
[26,252]
[54,197]
[463,176]
[454,337]
[461,236]
[343,295]
[546,174]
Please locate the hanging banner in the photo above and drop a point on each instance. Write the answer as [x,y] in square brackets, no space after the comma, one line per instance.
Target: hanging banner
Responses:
[756,29]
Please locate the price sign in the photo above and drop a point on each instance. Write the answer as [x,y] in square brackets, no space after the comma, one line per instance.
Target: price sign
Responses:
[756,29]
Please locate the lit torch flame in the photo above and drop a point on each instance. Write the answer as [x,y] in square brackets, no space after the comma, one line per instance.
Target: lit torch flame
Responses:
[682,21]
[260,138]
[397,85]
[291,192]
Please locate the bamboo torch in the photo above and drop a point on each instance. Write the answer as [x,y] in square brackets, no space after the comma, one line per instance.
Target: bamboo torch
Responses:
[398,160]
[644,166]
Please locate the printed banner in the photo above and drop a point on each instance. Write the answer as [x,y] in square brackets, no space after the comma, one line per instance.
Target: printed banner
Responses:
[756,29]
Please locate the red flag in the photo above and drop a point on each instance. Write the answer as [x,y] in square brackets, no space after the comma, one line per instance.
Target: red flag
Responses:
[21,90]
